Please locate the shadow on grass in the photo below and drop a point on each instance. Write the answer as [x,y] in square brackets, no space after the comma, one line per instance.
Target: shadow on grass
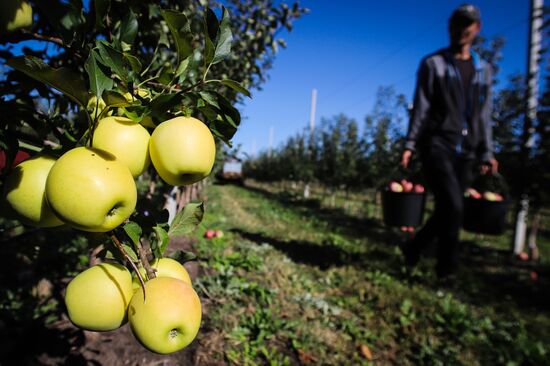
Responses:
[299,251]
[337,218]
[488,275]
[493,276]
[378,241]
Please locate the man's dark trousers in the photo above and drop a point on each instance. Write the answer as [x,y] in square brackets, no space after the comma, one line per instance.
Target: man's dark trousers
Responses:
[448,175]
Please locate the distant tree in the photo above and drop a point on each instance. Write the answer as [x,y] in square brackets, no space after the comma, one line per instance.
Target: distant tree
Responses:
[384,129]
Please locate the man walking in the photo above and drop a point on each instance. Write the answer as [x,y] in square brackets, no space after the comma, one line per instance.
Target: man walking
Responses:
[450,127]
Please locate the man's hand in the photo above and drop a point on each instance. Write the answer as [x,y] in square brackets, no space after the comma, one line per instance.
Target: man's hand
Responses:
[406,158]
[490,166]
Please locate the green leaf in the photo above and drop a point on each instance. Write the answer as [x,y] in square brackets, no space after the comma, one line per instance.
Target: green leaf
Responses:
[101,9]
[165,75]
[136,113]
[211,26]
[162,241]
[65,19]
[191,70]
[134,62]
[128,28]
[236,86]
[182,67]
[210,98]
[218,37]
[162,103]
[183,257]
[223,38]
[228,120]
[107,254]
[133,230]
[186,220]
[131,252]
[114,99]
[210,113]
[63,79]
[98,80]
[113,59]
[181,31]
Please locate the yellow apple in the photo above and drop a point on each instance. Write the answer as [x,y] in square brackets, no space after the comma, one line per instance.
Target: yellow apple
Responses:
[14,15]
[90,190]
[165,267]
[125,139]
[169,319]
[24,192]
[98,298]
[182,150]
[95,108]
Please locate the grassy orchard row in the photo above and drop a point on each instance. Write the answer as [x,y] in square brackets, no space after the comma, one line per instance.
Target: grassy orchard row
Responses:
[93,189]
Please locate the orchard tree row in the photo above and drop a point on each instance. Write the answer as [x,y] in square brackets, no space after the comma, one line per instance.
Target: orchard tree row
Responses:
[337,154]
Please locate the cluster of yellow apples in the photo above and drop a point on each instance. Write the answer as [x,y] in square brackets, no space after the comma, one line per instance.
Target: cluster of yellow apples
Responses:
[165,320]
[93,188]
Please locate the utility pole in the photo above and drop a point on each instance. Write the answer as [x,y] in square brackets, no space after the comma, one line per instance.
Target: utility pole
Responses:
[535,38]
[311,131]
[312,112]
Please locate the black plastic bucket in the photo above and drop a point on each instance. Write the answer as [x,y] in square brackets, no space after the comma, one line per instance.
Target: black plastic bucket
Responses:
[403,208]
[485,217]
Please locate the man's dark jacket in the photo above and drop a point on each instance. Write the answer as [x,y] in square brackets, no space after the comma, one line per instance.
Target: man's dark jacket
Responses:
[441,112]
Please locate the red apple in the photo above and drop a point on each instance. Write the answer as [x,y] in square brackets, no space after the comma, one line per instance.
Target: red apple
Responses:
[19,157]
[418,188]
[209,234]
[523,256]
[472,193]
[407,186]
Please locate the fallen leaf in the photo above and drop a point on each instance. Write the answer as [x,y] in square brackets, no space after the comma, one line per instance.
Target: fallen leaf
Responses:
[365,351]
[306,358]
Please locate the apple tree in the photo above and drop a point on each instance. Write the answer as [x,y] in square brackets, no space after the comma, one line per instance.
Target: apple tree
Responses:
[91,93]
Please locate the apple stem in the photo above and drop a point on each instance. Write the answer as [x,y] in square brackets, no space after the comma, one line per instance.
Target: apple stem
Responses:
[143,258]
[94,123]
[134,267]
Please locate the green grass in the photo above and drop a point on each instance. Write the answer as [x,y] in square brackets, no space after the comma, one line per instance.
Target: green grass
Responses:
[292,282]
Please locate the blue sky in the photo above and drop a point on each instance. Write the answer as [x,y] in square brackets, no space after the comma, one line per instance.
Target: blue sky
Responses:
[347,49]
